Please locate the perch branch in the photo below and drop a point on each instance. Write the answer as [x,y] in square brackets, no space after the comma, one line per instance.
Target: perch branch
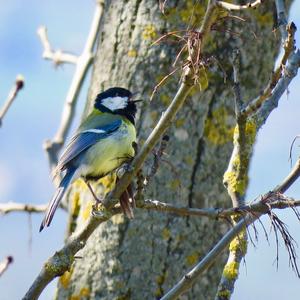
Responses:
[267,202]
[5,264]
[19,84]
[186,282]
[9,207]
[83,62]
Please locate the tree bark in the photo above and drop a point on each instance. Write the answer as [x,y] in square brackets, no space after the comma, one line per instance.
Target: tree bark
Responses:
[144,257]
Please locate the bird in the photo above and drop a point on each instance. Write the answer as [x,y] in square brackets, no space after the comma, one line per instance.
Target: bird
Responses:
[103,142]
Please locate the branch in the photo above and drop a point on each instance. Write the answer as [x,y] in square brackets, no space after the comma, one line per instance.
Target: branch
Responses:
[186,282]
[83,62]
[9,207]
[19,84]
[58,57]
[269,201]
[281,18]
[5,264]
[280,72]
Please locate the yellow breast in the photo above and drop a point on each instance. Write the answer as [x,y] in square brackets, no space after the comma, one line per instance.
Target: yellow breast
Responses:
[109,153]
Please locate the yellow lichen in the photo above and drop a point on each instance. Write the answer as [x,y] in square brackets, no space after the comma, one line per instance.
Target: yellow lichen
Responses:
[239,243]
[192,12]
[231,270]
[118,219]
[250,132]
[85,292]
[174,184]
[108,182]
[192,259]
[166,233]
[132,53]
[224,294]
[235,185]
[217,130]
[86,212]
[189,160]
[75,204]
[165,99]
[149,32]
[180,122]
[160,279]
[74,297]
[65,278]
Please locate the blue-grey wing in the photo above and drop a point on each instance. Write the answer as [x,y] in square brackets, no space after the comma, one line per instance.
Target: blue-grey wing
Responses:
[83,140]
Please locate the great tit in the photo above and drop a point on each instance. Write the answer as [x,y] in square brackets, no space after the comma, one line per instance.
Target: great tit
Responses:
[102,143]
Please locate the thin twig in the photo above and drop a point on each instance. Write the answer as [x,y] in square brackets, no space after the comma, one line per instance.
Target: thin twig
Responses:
[5,264]
[9,207]
[58,57]
[275,201]
[83,62]
[18,85]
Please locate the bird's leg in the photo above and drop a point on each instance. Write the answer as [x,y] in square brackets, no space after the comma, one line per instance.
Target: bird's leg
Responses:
[98,201]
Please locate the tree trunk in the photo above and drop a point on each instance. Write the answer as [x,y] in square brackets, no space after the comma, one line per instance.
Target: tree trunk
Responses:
[144,257]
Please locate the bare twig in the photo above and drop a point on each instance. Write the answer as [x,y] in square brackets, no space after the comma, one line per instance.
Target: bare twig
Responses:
[83,62]
[58,57]
[19,84]
[190,278]
[271,201]
[9,207]
[5,264]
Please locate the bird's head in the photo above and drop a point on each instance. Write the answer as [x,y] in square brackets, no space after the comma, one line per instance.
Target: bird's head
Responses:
[117,100]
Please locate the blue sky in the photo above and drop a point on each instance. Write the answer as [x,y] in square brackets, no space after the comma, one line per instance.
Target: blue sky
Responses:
[34,117]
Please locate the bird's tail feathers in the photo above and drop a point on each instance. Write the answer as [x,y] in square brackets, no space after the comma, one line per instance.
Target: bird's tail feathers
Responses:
[56,199]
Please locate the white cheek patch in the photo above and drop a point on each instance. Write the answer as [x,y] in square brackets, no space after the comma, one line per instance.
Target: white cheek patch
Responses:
[114,103]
